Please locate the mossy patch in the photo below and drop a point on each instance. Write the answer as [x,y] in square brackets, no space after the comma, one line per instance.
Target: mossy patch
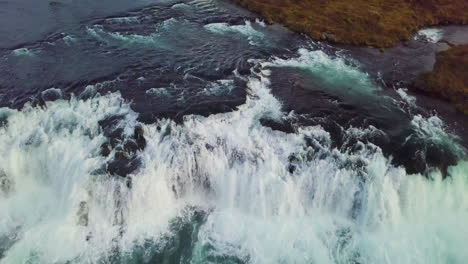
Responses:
[378,23]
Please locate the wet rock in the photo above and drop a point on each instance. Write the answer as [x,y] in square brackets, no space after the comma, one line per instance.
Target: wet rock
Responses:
[139,137]
[419,156]
[105,149]
[283,126]
[89,92]
[122,165]
[131,146]
[412,157]
[440,157]
[51,94]
[110,127]
[294,163]
[121,150]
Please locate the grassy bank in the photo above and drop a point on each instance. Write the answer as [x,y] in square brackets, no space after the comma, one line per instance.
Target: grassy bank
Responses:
[449,78]
[378,23]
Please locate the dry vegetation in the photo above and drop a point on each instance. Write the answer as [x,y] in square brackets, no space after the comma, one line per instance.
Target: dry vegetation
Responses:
[449,79]
[378,23]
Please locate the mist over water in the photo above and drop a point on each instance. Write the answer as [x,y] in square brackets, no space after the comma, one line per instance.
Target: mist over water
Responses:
[193,150]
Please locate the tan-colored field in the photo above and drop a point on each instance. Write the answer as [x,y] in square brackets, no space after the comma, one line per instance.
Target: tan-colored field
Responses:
[378,23]
[449,79]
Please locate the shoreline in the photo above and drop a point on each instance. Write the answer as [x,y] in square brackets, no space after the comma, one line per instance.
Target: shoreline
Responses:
[403,62]
[376,23]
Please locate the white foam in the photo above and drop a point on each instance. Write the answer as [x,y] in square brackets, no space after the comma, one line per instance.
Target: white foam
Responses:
[254,36]
[49,155]
[108,37]
[220,87]
[123,20]
[166,24]
[51,94]
[403,93]
[158,92]
[335,72]
[181,6]
[432,35]
[23,52]
[150,40]
[433,129]
[260,22]
[335,207]
[69,40]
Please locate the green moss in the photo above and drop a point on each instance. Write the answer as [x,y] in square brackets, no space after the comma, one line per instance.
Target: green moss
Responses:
[379,23]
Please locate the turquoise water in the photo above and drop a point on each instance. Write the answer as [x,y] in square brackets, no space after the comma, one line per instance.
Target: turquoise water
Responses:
[224,187]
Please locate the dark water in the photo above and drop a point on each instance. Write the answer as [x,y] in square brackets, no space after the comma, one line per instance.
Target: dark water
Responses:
[192,132]
[131,47]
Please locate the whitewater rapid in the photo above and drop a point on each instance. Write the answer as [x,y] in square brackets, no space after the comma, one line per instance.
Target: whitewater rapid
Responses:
[250,194]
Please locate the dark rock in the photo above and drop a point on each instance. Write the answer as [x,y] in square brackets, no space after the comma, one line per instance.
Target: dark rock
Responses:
[283,126]
[440,157]
[122,165]
[105,149]
[51,94]
[131,146]
[139,137]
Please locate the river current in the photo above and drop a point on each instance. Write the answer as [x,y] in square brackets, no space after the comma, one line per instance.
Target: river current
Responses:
[193,132]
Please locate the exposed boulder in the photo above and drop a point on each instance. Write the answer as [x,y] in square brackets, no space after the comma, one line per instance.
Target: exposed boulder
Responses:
[120,149]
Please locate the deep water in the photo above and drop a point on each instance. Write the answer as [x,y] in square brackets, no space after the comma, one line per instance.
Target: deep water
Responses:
[192,132]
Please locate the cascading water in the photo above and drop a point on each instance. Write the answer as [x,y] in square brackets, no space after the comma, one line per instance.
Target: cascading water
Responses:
[84,180]
[265,196]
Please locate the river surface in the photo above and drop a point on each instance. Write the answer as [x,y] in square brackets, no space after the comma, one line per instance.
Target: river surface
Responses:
[144,131]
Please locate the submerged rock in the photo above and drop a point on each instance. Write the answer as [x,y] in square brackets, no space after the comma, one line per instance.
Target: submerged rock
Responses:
[378,23]
[83,214]
[6,184]
[51,94]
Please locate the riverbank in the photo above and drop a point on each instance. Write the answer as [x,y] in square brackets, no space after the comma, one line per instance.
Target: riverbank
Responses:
[389,26]
[377,23]
[449,78]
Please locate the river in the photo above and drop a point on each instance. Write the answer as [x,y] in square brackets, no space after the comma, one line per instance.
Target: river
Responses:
[146,131]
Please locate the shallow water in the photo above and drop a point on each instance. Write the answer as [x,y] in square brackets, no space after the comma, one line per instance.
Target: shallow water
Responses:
[192,132]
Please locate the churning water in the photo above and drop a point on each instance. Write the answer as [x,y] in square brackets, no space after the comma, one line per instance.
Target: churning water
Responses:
[169,134]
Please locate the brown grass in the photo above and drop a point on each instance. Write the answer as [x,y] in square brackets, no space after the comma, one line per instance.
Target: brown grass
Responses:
[449,78]
[378,23]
